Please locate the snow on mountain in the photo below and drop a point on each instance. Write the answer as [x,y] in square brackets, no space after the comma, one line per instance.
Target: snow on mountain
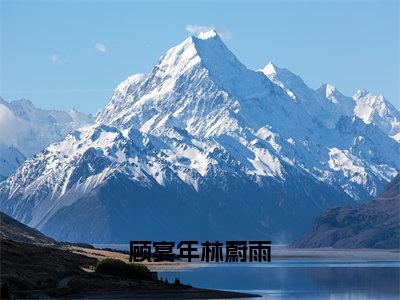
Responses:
[26,130]
[10,160]
[378,111]
[328,104]
[196,143]
[314,102]
[330,107]
[342,104]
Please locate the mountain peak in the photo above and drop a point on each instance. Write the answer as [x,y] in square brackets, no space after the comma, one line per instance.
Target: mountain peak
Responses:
[285,79]
[207,48]
[269,69]
[22,103]
[283,75]
[368,96]
[361,93]
[379,111]
[200,65]
[329,91]
[329,88]
[207,52]
[199,133]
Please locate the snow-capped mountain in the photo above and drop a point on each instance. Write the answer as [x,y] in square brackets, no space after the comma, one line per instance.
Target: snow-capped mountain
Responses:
[10,160]
[376,110]
[203,147]
[26,130]
[371,109]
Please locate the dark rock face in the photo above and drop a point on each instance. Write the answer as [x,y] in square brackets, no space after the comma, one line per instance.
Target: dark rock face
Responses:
[11,229]
[375,224]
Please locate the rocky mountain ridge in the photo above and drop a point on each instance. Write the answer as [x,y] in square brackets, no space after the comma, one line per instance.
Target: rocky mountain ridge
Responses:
[198,141]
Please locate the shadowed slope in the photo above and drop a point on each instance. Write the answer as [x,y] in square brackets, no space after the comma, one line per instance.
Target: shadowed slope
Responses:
[375,224]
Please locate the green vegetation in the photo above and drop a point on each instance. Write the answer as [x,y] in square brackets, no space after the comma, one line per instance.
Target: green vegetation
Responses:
[121,269]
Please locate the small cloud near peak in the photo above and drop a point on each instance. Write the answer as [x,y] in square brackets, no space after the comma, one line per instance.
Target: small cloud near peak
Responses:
[197,29]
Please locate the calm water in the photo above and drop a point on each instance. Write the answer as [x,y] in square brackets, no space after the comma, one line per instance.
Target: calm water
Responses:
[300,279]
[297,279]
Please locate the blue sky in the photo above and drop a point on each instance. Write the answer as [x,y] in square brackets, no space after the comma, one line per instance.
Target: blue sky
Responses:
[64,54]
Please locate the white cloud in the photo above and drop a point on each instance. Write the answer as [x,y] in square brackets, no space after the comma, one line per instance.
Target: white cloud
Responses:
[11,127]
[57,59]
[196,29]
[100,47]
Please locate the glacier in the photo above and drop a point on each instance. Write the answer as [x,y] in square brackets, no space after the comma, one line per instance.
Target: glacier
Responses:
[203,147]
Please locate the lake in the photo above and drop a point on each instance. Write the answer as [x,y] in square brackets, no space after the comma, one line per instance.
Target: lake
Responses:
[306,279]
[345,278]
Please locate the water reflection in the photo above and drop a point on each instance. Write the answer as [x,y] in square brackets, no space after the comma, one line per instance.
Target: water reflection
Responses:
[300,280]
[371,280]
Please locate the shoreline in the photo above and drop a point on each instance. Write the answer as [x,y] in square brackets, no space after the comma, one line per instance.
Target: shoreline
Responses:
[189,293]
[32,271]
[279,253]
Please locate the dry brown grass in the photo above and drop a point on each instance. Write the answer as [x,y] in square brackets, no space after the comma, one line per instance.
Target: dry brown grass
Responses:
[153,266]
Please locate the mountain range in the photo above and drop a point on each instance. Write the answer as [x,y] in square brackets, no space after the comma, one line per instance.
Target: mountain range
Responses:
[202,147]
[26,130]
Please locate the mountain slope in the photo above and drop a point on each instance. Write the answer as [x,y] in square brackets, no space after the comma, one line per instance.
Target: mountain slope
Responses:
[11,229]
[374,224]
[376,110]
[10,160]
[26,130]
[197,142]
[353,145]
[328,104]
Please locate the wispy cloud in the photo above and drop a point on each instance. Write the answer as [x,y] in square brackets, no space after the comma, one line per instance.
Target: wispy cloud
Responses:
[196,29]
[11,127]
[100,47]
[57,59]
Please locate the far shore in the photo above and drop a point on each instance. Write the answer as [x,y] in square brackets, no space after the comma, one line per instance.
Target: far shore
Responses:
[279,253]
[286,253]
